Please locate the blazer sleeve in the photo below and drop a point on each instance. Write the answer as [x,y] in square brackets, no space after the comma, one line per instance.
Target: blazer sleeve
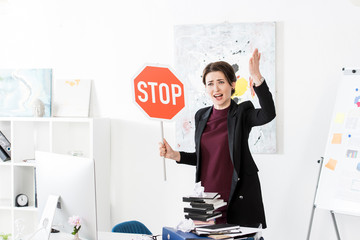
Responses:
[187,158]
[263,115]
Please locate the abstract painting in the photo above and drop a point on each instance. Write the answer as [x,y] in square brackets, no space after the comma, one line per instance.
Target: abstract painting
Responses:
[198,45]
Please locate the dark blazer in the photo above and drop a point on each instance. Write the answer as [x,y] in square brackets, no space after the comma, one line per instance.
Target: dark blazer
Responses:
[245,205]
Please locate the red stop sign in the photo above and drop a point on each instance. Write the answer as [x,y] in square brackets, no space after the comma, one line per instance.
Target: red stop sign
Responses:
[159,92]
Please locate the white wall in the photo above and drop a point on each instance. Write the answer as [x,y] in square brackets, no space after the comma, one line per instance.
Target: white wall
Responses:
[108,41]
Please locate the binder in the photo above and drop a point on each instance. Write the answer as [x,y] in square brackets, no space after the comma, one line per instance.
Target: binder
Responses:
[3,155]
[5,144]
[169,233]
[173,234]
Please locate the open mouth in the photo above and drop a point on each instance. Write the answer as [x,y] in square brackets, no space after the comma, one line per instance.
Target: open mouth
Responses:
[218,96]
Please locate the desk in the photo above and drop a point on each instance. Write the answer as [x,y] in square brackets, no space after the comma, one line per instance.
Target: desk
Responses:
[122,236]
[103,236]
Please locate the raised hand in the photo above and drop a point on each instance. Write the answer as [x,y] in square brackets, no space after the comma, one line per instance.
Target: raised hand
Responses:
[254,67]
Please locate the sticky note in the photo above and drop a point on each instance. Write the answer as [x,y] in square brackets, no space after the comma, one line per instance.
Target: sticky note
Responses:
[336,138]
[351,122]
[351,153]
[339,118]
[354,141]
[331,164]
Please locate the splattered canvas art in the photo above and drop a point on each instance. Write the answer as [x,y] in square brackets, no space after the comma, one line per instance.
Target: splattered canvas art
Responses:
[198,45]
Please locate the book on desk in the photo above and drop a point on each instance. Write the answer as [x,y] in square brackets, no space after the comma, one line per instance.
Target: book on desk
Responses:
[207,196]
[217,229]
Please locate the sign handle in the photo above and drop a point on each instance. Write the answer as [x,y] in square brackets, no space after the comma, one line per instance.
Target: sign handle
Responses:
[162,139]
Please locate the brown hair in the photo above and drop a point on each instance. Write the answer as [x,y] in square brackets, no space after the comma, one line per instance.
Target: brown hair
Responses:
[223,67]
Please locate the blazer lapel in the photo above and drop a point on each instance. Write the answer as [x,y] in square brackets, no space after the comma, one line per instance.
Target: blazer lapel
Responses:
[231,128]
[200,128]
[231,137]
[199,131]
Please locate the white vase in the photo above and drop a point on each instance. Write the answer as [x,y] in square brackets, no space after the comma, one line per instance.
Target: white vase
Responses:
[76,236]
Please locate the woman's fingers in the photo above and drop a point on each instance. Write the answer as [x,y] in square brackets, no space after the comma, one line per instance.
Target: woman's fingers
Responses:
[162,149]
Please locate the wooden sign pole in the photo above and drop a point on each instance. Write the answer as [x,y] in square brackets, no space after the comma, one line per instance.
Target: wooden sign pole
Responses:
[162,139]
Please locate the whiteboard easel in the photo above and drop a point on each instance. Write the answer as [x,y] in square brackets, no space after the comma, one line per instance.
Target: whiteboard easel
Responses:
[338,185]
[314,207]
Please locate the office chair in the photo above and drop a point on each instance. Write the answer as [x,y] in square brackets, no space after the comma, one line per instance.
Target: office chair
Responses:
[131,227]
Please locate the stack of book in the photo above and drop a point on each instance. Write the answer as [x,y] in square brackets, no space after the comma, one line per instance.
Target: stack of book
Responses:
[204,208]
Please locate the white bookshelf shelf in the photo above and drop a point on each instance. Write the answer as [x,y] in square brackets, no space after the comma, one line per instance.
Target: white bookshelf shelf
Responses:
[26,209]
[88,136]
[5,163]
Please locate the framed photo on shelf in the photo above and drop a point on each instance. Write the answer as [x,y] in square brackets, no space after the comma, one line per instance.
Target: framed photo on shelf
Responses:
[20,89]
[71,98]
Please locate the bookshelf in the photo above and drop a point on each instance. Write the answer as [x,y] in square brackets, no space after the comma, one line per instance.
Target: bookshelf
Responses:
[87,136]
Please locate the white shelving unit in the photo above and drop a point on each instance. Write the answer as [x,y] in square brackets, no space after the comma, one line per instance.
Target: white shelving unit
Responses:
[90,136]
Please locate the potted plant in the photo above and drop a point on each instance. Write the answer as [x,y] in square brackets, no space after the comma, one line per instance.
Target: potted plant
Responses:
[76,222]
[5,236]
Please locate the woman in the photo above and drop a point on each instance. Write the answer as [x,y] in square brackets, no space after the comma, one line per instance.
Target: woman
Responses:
[223,160]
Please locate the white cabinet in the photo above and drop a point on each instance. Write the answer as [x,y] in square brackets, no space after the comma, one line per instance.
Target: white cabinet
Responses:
[89,137]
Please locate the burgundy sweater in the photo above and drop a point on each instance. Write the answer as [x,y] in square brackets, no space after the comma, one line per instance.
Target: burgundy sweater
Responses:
[216,165]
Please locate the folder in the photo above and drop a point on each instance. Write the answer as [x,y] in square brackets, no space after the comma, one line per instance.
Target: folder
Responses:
[169,233]
[5,144]
[3,155]
[173,234]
